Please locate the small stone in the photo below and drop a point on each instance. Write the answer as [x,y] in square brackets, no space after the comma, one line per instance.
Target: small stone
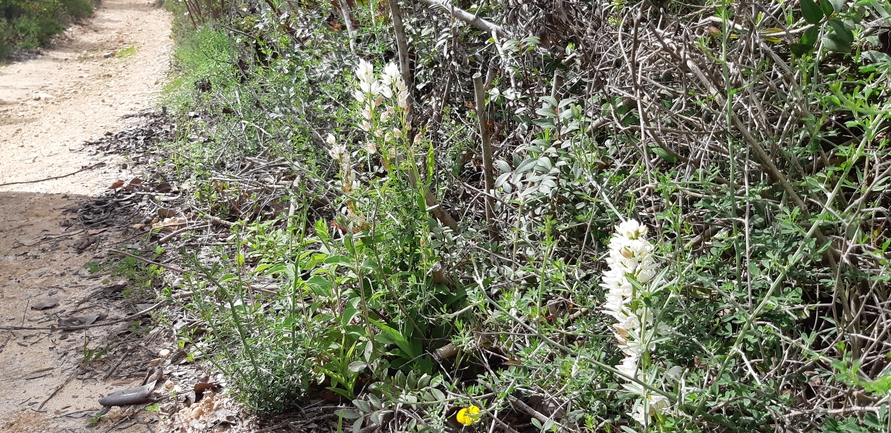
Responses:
[41,96]
[164,353]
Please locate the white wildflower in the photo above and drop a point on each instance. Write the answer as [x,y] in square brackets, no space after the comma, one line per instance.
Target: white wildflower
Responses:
[401,94]
[337,151]
[365,72]
[631,259]
[391,74]
[384,90]
[370,147]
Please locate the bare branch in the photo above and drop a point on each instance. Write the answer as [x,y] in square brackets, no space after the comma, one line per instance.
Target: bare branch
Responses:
[467,17]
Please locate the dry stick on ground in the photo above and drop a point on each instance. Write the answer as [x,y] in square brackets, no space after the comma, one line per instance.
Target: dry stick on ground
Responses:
[59,388]
[90,167]
[96,325]
[488,172]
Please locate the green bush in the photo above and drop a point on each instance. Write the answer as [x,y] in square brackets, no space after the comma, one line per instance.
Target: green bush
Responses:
[30,24]
[755,158]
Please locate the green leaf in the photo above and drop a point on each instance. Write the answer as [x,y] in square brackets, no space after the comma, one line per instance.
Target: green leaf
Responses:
[357,366]
[375,401]
[348,414]
[833,42]
[842,31]
[810,36]
[551,101]
[527,165]
[545,163]
[362,405]
[546,112]
[319,285]
[837,5]
[410,350]
[660,152]
[341,260]
[801,49]
[827,7]
[812,13]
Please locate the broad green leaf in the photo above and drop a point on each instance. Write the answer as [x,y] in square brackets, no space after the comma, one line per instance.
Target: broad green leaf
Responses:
[837,5]
[827,7]
[833,42]
[375,401]
[842,31]
[544,123]
[410,350]
[551,101]
[545,163]
[348,414]
[527,165]
[546,112]
[340,260]
[873,57]
[362,405]
[660,152]
[812,13]
[357,366]
[810,36]
[319,285]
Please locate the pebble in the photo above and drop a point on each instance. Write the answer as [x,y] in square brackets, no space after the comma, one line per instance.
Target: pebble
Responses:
[41,96]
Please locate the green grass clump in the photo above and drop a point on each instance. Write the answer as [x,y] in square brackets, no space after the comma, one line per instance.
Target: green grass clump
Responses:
[125,52]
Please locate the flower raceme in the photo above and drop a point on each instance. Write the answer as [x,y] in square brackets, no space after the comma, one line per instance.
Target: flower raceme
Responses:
[631,268]
[630,257]
[389,91]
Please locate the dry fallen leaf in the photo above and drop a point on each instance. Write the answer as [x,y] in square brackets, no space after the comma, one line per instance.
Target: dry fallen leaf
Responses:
[203,384]
[117,184]
[134,184]
[78,321]
[46,303]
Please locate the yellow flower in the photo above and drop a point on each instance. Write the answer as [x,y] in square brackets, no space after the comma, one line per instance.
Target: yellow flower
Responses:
[468,415]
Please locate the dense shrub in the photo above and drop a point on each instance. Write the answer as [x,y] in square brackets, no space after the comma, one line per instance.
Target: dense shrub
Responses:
[749,142]
[30,24]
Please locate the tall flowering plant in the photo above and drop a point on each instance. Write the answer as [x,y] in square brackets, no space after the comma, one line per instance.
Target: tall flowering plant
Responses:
[383,104]
[627,281]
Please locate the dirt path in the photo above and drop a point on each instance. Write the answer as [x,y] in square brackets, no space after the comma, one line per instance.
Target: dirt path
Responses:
[98,72]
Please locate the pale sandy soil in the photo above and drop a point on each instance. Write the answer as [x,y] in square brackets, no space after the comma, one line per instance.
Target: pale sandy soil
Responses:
[98,71]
